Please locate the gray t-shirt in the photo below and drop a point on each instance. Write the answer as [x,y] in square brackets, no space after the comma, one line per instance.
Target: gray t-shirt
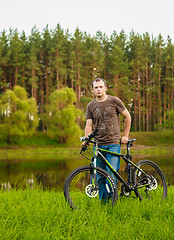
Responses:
[105,116]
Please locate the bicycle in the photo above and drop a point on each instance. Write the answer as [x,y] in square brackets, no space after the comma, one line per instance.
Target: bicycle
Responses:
[81,185]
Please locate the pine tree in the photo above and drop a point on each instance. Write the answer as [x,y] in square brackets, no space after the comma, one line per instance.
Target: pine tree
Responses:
[59,56]
[77,42]
[119,67]
[34,62]
[15,46]
[4,61]
[47,62]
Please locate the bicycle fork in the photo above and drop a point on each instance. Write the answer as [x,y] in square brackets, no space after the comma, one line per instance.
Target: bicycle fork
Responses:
[93,169]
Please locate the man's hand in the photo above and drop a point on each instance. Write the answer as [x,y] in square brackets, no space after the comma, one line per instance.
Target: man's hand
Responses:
[84,144]
[124,139]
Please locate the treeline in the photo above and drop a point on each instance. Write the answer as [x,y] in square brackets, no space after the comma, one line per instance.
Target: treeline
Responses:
[138,68]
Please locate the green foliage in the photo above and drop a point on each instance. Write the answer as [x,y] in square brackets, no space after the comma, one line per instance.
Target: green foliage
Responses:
[44,215]
[138,69]
[61,116]
[168,122]
[18,115]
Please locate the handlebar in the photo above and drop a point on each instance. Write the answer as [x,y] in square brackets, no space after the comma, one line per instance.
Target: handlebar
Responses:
[92,135]
[88,139]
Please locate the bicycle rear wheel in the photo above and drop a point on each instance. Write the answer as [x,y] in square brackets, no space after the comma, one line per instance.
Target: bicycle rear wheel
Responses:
[81,192]
[152,183]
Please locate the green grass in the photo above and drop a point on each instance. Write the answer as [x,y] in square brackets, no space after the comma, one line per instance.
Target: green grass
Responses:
[39,147]
[35,214]
[39,153]
[162,138]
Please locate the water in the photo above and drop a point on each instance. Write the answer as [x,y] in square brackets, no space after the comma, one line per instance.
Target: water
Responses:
[52,174]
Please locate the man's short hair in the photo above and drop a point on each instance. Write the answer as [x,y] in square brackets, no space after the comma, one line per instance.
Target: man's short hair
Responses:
[99,79]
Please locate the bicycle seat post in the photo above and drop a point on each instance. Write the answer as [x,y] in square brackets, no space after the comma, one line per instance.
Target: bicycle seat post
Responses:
[128,149]
[129,145]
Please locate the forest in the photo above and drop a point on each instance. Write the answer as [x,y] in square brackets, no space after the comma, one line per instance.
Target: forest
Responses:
[139,69]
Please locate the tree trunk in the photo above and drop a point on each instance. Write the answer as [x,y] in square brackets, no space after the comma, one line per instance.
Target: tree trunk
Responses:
[72,77]
[154,103]
[144,102]
[4,80]
[139,104]
[16,76]
[116,84]
[147,96]
[165,97]
[135,103]
[42,100]
[46,84]
[57,70]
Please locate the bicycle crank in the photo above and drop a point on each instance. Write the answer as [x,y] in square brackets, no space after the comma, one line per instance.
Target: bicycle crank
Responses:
[125,192]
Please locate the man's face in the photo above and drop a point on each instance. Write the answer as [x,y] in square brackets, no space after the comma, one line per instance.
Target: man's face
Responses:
[99,89]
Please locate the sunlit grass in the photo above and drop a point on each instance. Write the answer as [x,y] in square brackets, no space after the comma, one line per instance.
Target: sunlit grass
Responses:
[37,214]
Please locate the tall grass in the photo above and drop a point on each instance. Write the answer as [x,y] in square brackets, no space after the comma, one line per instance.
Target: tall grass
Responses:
[35,214]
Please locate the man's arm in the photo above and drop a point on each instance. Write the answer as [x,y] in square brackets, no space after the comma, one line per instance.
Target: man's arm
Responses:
[127,126]
[88,129]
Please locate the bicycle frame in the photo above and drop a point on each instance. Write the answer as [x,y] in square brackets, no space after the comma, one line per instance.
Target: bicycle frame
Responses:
[127,158]
[95,181]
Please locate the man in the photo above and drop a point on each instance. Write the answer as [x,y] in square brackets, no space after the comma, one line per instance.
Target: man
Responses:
[103,113]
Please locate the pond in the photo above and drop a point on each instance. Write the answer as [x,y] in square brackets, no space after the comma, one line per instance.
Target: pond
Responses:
[52,174]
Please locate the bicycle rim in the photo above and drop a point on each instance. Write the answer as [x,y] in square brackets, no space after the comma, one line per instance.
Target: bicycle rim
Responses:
[81,192]
[152,186]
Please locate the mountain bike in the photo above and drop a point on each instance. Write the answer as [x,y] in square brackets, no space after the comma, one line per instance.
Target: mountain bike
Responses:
[144,178]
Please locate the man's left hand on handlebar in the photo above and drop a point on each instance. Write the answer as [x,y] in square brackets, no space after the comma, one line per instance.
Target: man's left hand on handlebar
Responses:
[84,144]
[124,139]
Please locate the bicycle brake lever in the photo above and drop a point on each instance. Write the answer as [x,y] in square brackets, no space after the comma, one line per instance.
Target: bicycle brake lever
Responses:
[83,149]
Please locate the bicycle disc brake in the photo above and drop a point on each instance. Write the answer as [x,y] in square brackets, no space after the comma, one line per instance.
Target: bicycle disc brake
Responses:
[152,183]
[91,191]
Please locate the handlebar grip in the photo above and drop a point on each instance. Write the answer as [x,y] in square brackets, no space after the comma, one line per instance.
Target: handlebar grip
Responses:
[87,139]
[82,139]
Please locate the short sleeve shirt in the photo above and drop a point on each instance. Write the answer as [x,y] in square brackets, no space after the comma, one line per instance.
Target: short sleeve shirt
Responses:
[105,116]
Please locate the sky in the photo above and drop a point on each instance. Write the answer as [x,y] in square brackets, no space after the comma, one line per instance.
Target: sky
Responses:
[152,16]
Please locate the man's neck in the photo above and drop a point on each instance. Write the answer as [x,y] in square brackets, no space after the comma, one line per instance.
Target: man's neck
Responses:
[102,98]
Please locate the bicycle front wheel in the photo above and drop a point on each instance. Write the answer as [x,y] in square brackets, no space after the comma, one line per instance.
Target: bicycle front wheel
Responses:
[81,188]
[149,181]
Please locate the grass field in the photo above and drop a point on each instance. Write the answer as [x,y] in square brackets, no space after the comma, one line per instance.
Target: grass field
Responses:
[36,214]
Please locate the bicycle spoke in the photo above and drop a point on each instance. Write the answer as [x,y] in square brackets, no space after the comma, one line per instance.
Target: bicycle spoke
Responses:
[81,191]
[151,185]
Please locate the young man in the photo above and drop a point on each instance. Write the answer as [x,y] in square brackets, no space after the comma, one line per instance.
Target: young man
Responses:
[103,113]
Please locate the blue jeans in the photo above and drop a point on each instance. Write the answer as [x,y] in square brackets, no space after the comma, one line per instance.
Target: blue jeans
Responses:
[114,161]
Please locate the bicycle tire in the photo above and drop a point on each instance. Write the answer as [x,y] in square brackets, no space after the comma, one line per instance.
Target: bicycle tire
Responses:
[78,182]
[157,181]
